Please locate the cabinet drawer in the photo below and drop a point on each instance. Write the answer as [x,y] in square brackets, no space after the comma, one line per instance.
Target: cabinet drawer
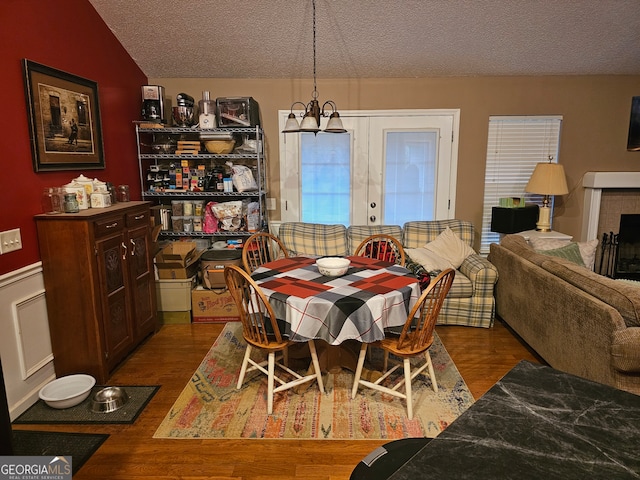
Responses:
[135,219]
[108,226]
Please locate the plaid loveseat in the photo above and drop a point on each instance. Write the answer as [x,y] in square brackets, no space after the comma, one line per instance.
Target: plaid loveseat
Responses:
[470,301]
[301,238]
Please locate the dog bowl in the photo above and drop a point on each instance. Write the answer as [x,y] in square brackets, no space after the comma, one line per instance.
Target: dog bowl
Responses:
[333,266]
[69,391]
[109,399]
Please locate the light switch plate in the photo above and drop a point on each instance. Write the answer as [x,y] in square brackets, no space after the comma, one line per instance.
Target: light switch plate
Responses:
[271,203]
[10,241]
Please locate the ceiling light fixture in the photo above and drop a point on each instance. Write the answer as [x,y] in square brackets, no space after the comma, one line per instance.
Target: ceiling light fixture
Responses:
[312,111]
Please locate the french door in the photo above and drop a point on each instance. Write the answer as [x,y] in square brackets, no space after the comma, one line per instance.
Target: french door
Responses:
[391,167]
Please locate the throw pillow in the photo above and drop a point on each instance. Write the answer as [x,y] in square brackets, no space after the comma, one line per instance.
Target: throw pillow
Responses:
[429,260]
[587,249]
[569,252]
[451,247]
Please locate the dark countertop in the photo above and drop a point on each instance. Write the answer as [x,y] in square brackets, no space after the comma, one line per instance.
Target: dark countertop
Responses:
[537,423]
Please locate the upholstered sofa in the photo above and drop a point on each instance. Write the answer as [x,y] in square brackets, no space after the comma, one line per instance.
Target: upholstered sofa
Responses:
[470,301]
[576,320]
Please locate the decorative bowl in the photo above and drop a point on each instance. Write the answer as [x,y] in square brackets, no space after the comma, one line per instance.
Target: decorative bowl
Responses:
[219,146]
[69,391]
[333,266]
[108,399]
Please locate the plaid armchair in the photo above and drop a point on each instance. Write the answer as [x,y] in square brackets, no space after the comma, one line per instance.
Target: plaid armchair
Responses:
[470,301]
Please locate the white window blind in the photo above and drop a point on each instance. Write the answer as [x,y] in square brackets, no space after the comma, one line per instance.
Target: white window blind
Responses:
[515,145]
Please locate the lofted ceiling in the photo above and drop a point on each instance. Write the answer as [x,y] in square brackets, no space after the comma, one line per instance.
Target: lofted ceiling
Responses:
[377,38]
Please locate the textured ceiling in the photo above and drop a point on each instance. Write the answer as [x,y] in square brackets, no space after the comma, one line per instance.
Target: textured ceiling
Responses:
[377,38]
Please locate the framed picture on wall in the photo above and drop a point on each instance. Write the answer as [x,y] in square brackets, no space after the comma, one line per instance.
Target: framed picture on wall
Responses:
[64,119]
[633,142]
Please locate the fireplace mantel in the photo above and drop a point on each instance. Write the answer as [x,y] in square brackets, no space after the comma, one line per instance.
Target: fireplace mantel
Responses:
[594,183]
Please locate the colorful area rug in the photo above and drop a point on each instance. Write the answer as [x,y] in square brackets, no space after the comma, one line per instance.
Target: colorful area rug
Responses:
[211,407]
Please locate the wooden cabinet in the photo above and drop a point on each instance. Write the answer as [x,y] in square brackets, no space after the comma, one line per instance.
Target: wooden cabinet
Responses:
[99,285]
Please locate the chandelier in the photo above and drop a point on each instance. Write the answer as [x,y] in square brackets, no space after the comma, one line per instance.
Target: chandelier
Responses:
[312,111]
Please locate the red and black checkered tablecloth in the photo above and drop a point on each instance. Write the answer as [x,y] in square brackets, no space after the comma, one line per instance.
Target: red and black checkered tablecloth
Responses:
[371,296]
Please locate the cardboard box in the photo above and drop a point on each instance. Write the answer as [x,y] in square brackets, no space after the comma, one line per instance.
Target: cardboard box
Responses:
[213,306]
[174,318]
[177,252]
[174,295]
[178,260]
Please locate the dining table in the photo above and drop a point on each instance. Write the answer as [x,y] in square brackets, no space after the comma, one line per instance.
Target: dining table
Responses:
[341,311]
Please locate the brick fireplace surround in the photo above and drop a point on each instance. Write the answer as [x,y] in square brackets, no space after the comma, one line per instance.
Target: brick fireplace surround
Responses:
[607,196]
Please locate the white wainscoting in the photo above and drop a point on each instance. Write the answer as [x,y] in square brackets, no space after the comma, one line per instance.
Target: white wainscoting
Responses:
[25,346]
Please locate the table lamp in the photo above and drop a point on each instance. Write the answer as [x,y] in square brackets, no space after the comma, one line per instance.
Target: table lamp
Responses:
[547,179]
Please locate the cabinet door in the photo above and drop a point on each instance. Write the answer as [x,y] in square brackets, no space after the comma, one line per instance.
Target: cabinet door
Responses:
[141,280]
[112,253]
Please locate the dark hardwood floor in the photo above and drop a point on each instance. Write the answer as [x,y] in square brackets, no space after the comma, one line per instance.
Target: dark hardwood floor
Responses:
[170,357]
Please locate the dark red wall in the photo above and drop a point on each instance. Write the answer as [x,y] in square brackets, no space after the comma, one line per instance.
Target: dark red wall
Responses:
[67,35]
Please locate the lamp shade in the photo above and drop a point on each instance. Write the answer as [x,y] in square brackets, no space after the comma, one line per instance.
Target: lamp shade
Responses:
[292,124]
[335,124]
[548,179]
[309,123]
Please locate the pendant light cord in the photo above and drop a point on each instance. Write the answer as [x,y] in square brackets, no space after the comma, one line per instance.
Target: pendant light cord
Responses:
[315,87]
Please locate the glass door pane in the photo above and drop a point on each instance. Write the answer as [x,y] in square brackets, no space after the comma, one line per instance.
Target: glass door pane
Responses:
[325,178]
[411,157]
[410,176]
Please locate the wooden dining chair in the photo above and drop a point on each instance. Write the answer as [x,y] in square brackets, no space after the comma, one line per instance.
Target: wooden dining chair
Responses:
[414,341]
[382,247]
[261,331]
[262,247]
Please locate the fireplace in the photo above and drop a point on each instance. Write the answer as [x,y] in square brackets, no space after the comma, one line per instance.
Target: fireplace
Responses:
[628,249]
[597,183]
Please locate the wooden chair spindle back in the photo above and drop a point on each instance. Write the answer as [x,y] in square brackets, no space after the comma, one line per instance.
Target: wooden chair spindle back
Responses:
[255,312]
[417,333]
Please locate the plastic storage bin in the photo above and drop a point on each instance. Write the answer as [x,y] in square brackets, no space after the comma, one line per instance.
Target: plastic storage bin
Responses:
[174,295]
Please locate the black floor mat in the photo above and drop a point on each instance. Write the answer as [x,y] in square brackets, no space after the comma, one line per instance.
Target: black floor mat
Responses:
[78,446]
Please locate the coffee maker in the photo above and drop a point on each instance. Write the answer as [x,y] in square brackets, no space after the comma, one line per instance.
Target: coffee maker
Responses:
[153,103]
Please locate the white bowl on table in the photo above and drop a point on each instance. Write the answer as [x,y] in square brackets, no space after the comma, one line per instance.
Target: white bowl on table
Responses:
[333,266]
[69,391]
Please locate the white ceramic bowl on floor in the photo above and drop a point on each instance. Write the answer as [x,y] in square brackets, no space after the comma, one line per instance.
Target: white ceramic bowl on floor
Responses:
[69,391]
[333,266]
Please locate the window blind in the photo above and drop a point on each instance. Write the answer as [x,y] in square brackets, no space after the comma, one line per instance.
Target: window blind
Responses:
[515,145]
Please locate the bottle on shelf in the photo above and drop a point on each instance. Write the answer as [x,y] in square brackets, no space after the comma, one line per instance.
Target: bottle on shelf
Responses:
[220,183]
[52,200]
